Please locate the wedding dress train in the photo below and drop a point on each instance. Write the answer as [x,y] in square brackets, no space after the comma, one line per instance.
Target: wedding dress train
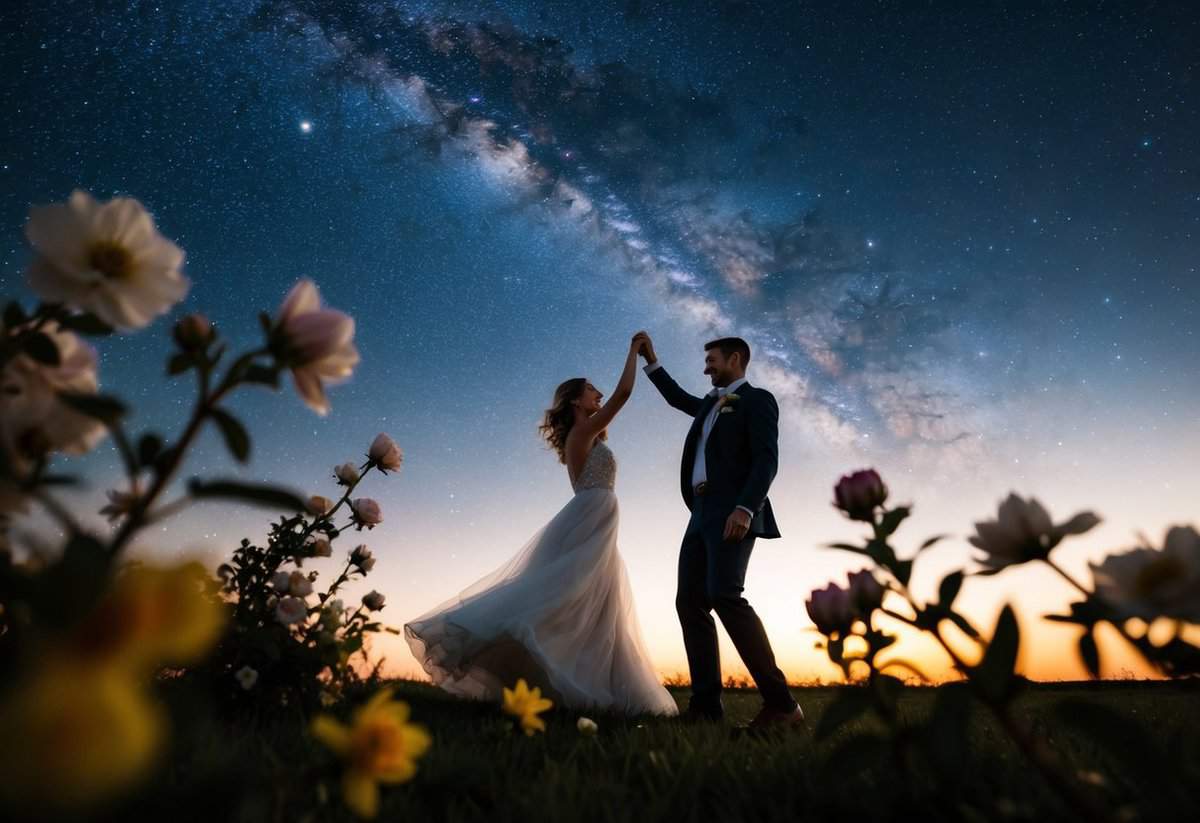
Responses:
[559,614]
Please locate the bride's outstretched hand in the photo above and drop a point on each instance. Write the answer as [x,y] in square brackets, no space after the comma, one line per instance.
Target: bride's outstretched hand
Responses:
[645,346]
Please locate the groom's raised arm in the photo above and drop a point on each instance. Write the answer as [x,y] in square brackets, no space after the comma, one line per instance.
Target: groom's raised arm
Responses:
[764,450]
[689,404]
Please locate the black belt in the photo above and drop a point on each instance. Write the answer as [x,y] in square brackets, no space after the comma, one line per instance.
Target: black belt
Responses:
[700,489]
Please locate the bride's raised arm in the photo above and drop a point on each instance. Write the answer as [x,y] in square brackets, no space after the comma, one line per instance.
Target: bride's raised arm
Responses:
[599,421]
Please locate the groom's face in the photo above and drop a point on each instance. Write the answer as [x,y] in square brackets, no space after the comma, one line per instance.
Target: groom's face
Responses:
[718,367]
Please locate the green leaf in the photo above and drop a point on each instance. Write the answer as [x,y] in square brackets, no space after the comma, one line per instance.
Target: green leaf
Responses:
[103,407]
[41,348]
[995,672]
[1089,653]
[179,363]
[149,447]
[14,315]
[259,494]
[850,703]
[948,588]
[931,541]
[892,520]
[236,437]
[85,323]
[846,547]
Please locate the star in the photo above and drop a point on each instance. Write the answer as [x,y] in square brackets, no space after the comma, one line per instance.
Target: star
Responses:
[306,126]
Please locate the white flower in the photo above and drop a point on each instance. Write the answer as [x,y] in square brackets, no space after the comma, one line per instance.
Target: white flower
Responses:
[361,557]
[366,512]
[247,677]
[385,454]
[105,258]
[290,610]
[586,726]
[373,600]
[321,547]
[315,343]
[318,505]
[33,420]
[1148,583]
[1022,532]
[299,585]
[281,581]
[346,474]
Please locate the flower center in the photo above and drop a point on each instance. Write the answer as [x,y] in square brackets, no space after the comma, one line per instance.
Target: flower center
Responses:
[379,745]
[110,259]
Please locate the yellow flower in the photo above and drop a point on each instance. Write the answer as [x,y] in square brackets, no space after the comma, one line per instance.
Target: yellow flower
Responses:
[379,746]
[526,704]
[75,735]
[153,616]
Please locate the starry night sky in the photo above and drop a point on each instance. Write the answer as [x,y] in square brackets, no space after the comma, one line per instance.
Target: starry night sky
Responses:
[963,244]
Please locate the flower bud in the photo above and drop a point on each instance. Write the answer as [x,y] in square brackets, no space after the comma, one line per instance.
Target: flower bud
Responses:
[193,332]
[373,601]
[346,474]
[385,454]
[319,505]
[866,595]
[859,494]
[366,512]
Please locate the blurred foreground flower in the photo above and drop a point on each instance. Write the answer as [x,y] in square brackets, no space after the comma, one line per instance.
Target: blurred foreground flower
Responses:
[319,504]
[34,421]
[373,600]
[1022,532]
[105,258]
[526,704]
[859,493]
[866,594]
[379,746]
[75,735]
[830,609]
[315,343]
[1149,583]
[587,727]
[246,677]
[153,616]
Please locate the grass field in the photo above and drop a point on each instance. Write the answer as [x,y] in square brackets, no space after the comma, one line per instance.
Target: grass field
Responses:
[656,769]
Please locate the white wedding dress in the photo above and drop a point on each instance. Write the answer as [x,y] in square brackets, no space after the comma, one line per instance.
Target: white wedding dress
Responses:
[559,614]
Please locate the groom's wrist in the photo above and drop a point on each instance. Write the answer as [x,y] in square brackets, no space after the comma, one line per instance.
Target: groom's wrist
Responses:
[649,367]
[747,511]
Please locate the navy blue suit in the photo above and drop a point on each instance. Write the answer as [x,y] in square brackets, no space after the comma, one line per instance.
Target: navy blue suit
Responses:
[741,458]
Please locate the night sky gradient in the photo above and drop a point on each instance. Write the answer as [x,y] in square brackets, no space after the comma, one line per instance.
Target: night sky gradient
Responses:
[963,243]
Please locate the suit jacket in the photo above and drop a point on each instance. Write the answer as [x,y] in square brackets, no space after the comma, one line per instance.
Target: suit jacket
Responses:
[741,455]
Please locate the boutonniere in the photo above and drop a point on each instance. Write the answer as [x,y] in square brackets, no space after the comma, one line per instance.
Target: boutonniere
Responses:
[726,403]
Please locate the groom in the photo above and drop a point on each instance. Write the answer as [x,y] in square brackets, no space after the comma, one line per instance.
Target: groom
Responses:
[729,460]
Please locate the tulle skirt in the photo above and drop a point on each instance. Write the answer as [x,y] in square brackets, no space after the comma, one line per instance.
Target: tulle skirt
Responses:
[559,614]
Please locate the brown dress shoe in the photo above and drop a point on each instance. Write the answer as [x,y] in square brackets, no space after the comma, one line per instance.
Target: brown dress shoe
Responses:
[769,718]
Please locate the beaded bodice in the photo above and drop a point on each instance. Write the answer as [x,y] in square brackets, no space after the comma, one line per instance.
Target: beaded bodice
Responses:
[599,469]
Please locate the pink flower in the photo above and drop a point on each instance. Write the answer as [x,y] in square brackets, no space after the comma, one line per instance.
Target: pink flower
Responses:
[366,512]
[361,557]
[346,474]
[385,454]
[858,494]
[318,505]
[866,595]
[830,609]
[299,585]
[1023,531]
[315,343]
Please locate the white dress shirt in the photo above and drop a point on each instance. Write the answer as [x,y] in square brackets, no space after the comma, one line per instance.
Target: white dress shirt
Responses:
[699,470]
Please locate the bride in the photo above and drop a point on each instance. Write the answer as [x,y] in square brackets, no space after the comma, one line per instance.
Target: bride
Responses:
[559,613]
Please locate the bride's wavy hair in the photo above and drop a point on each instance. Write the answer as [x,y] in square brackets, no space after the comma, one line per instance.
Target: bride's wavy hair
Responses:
[560,417]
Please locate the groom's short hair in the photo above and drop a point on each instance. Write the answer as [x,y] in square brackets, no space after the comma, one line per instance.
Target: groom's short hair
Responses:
[729,345]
